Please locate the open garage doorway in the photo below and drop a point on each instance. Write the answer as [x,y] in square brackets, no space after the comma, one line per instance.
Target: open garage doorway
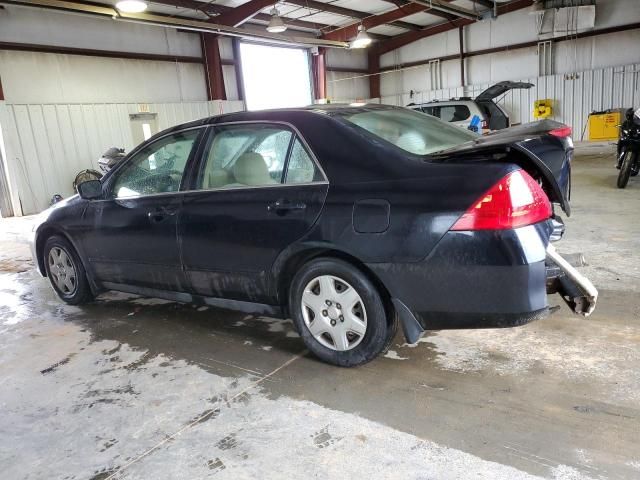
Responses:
[275,77]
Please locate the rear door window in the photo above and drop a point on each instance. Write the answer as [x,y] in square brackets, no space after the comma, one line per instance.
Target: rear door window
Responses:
[301,168]
[245,156]
[256,155]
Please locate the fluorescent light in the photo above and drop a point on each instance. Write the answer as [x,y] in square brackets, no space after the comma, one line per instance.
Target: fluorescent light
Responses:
[276,25]
[362,40]
[131,6]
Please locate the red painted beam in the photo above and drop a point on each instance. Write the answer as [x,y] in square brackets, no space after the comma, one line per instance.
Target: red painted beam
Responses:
[347,33]
[410,37]
[213,67]
[319,69]
[239,15]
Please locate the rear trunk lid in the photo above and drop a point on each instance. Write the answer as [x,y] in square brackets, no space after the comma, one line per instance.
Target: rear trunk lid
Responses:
[499,88]
[544,156]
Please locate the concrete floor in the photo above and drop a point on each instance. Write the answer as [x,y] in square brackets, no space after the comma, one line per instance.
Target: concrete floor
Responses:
[147,389]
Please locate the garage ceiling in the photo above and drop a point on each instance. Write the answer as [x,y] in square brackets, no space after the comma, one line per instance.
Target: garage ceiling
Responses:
[333,23]
[339,19]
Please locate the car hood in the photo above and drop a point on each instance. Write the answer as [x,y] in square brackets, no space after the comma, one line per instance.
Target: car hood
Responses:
[500,88]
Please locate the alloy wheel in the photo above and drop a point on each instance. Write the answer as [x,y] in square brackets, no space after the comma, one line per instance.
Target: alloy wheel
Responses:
[334,313]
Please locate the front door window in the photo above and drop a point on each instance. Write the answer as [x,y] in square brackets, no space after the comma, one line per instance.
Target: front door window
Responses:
[157,168]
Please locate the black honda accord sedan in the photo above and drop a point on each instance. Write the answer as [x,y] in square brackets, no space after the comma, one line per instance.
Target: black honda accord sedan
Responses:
[350,219]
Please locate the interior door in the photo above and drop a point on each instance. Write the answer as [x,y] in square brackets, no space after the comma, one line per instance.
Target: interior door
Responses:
[132,239]
[258,191]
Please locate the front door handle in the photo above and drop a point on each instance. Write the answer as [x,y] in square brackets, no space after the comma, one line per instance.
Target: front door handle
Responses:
[283,205]
[160,214]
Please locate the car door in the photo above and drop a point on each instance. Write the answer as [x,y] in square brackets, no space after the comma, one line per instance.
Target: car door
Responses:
[132,236]
[258,190]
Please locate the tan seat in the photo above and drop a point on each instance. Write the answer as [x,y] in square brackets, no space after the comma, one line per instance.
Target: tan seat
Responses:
[251,169]
[216,179]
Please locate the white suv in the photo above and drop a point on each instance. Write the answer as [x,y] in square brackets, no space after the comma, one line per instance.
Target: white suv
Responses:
[461,110]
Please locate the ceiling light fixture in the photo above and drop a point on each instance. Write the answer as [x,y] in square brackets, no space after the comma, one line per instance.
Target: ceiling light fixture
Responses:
[276,25]
[131,6]
[362,40]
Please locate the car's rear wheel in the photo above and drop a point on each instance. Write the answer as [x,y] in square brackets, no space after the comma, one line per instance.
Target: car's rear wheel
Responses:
[66,272]
[339,313]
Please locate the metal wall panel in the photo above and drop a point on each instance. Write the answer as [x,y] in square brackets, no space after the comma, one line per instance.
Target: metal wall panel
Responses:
[48,144]
[347,86]
[574,97]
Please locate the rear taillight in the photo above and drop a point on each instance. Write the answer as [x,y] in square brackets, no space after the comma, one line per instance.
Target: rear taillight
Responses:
[484,125]
[515,201]
[561,132]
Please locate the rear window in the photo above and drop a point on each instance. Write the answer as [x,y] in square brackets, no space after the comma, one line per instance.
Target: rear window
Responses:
[454,113]
[411,131]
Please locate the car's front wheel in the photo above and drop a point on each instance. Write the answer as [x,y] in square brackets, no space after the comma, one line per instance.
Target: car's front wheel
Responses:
[66,272]
[339,313]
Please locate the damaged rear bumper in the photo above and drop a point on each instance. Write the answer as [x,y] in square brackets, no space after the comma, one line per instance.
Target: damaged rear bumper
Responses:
[574,288]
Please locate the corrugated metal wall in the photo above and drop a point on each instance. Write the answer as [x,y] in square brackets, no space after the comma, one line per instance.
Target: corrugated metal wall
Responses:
[48,144]
[574,98]
[347,86]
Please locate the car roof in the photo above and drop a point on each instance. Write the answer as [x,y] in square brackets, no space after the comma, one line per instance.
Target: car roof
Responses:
[277,114]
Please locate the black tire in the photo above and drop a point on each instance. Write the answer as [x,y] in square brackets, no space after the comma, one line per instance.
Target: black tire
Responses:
[380,330]
[625,169]
[81,291]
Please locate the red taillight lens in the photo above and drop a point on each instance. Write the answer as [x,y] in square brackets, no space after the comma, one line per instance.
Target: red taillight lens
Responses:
[561,132]
[515,201]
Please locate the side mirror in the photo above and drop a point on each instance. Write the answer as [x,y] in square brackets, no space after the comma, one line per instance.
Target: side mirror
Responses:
[90,190]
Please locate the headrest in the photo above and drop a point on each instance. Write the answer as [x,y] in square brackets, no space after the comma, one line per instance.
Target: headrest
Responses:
[251,169]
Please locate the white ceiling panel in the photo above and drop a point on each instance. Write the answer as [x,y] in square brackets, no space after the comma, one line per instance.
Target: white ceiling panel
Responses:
[389,30]
[371,6]
[423,19]
[470,5]
[326,18]
[228,3]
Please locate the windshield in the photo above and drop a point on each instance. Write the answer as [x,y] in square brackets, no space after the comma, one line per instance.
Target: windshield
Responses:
[414,132]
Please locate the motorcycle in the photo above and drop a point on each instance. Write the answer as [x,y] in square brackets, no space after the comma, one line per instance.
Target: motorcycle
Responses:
[106,162]
[629,148]
[110,159]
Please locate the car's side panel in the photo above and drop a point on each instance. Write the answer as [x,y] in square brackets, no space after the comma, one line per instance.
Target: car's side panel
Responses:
[421,211]
[474,279]
[230,238]
[133,241]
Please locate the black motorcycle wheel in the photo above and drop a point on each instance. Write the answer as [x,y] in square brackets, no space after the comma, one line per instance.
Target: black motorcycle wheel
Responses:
[625,170]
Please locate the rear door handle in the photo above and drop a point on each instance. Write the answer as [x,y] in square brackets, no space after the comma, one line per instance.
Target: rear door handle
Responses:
[283,205]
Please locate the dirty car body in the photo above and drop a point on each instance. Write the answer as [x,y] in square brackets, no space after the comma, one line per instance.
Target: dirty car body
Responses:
[385,208]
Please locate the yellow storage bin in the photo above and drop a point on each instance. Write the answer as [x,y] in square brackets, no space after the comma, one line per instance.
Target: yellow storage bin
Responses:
[604,125]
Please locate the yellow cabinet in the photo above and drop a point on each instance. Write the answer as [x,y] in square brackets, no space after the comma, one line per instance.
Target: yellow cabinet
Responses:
[604,125]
